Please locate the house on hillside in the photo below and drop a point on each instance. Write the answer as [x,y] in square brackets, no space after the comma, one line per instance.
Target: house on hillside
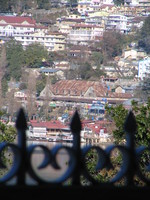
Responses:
[52,72]
[14,25]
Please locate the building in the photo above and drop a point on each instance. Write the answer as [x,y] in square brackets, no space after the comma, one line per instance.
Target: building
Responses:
[51,41]
[83,91]
[83,33]
[144,68]
[26,31]
[46,129]
[14,25]
[117,22]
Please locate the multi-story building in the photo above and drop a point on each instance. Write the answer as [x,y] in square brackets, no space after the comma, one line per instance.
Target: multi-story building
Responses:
[25,30]
[52,41]
[144,68]
[117,22]
[137,2]
[64,23]
[86,6]
[14,25]
[83,33]
[83,6]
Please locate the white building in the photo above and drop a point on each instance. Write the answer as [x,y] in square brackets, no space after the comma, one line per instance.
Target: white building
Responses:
[137,2]
[117,22]
[14,25]
[144,68]
[132,2]
[37,132]
[52,42]
[83,33]
[86,6]
[25,30]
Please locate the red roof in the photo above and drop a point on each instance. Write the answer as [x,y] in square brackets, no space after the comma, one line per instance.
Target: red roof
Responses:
[95,127]
[15,20]
[55,124]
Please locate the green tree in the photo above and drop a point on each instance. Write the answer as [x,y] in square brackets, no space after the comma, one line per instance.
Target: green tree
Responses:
[142,114]
[40,84]
[5,5]
[4,85]
[118,115]
[144,35]
[7,133]
[73,2]
[119,2]
[43,4]
[35,54]
[15,58]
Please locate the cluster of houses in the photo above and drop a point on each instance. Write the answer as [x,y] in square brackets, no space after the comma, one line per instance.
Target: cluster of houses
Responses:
[93,19]
[56,131]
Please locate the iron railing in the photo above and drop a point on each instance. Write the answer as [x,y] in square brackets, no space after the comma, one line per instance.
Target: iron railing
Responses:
[22,156]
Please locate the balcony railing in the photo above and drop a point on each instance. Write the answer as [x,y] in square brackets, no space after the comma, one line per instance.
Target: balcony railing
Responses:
[22,166]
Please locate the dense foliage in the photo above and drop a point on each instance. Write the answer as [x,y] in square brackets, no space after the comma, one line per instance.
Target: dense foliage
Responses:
[144,36]
[119,2]
[7,133]
[22,5]
[118,114]
[15,58]
[142,114]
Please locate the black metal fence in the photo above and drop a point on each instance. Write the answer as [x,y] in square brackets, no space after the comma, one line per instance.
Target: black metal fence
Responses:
[77,167]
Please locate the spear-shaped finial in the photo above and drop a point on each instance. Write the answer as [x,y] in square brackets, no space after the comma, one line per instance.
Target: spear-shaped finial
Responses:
[75,124]
[130,125]
[21,123]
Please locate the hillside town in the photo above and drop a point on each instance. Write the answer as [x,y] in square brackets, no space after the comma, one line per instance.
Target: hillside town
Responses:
[72,38]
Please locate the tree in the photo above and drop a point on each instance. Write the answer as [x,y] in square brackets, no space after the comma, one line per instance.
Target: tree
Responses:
[97,58]
[5,5]
[40,84]
[7,133]
[142,114]
[145,30]
[31,95]
[4,85]
[119,2]
[15,58]
[143,89]
[43,4]
[117,114]
[144,35]
[13,105]
[111,44]
[3,60]
[73,2]
[142,135]
[35,54]
[47,97]
[3,65]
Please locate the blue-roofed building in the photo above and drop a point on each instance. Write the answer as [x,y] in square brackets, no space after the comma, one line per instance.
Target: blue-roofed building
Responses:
[97,107]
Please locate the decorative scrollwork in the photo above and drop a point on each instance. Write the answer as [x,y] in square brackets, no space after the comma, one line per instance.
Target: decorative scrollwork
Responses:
[76,166]
[50,159]
[15,164]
